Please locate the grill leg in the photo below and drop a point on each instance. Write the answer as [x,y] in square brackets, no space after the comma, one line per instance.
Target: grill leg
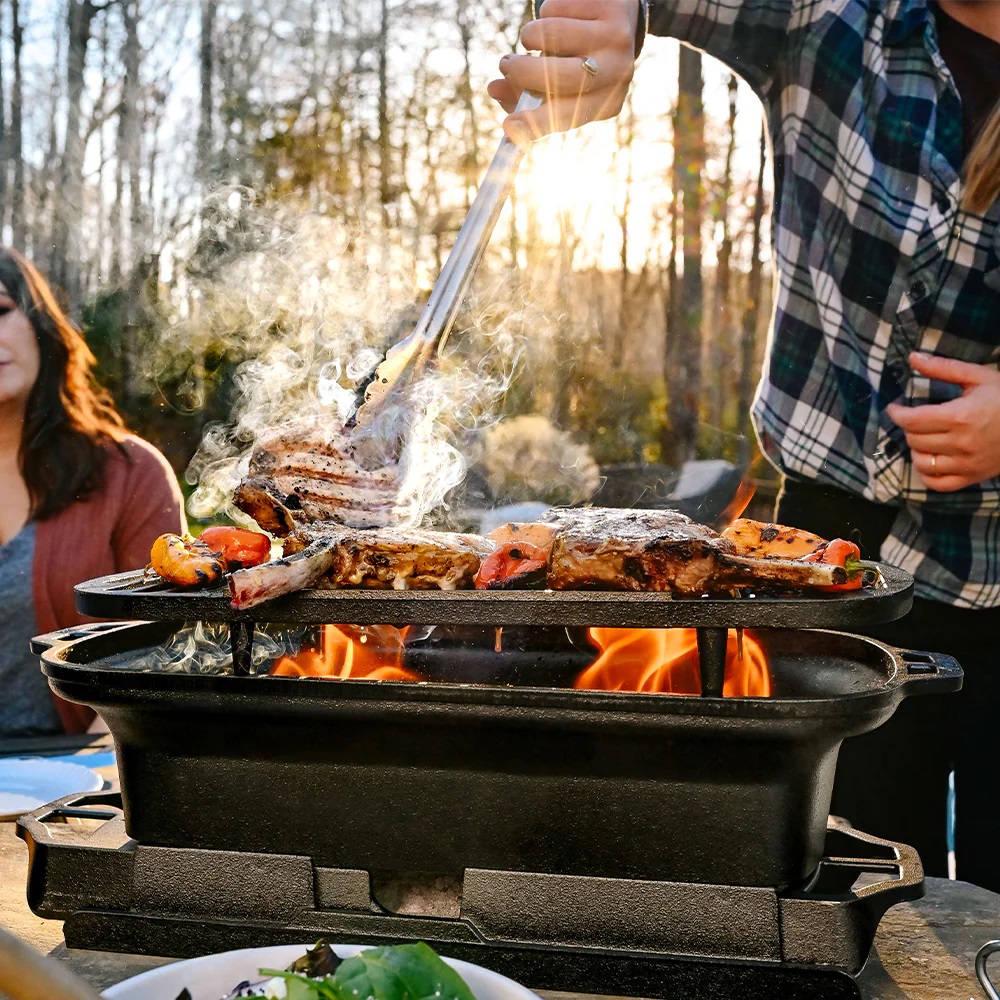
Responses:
[241,640]
[712,660]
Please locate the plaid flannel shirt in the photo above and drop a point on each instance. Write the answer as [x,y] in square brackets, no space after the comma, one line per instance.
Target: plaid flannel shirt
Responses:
[875,258]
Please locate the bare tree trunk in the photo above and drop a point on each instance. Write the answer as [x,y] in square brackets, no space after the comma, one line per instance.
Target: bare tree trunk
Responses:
[206,67]
[684,376]
[751,315]
[626,138]
[470,165]
[205,143]
[132,130]
[384,143]
[17,221]
[671,317]
[97,261]
[67,226]
[46,181]
[721,333]
[319,73]
[131,153]
[116,223]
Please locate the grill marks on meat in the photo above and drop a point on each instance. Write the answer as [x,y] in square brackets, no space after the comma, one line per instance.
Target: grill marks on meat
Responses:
[612,549]
[664,551]
[301,473]
[397,558]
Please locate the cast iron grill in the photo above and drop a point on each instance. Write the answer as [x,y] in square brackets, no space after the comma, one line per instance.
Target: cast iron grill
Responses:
[132,596]
[607,842]
[603,784]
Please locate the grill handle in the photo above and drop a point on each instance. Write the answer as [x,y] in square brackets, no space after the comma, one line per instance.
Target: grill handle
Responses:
[241,637]
[858,870]
[929,673]
[43,643]
[990,948]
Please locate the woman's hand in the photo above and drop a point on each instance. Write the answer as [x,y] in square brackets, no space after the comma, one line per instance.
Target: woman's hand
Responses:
[568,32]
[954,444]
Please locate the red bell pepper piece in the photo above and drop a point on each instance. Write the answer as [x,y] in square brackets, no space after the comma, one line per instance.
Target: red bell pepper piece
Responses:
[509,561]
[239,547]
[839,552]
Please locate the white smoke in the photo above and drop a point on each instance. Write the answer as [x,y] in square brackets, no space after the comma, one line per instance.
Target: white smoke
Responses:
[205,648]
[315,307]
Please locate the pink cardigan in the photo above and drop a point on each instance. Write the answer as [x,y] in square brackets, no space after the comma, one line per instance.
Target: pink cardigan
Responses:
[108,532]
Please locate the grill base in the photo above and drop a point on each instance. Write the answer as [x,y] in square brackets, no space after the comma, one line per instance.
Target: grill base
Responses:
[626,937]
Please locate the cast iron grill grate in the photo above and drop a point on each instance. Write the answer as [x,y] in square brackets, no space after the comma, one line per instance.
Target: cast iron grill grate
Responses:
[133,596]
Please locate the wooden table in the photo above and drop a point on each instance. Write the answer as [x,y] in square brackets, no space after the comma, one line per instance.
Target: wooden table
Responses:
[923,951]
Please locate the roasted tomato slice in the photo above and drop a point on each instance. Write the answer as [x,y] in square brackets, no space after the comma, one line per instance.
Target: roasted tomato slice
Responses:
[840,552]
[514,564]
[186,562]
[237,546]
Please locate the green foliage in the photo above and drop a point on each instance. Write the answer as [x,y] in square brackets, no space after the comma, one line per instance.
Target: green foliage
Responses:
[618,412]
[402,972]
[104,321]
[399,972]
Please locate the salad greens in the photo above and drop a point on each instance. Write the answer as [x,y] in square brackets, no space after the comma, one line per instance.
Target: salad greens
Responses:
[398,972]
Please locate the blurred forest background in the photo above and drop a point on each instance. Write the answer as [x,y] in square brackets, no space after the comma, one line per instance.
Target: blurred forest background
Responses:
[219,188]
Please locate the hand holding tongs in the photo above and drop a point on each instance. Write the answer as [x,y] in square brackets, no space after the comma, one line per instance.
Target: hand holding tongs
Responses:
[404,361]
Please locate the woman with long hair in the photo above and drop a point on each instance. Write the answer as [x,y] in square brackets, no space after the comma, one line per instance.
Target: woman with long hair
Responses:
[879,403]
[80,497]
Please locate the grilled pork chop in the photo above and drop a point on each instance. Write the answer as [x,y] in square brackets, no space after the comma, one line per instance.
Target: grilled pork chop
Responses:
[331,557]
[396,558]
[302,472]
[661,550]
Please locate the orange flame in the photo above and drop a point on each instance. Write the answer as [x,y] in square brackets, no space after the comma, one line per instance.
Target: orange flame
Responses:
[370,652]
[665,661]
[744,494]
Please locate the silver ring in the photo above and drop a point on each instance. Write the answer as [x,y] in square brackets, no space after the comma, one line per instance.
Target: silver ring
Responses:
[933,463]
[590,67]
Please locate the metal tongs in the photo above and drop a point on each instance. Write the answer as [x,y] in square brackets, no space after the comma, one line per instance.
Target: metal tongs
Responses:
[405,361]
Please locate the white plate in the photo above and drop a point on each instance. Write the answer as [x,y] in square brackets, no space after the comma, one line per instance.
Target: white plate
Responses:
[213,976]
[29,782]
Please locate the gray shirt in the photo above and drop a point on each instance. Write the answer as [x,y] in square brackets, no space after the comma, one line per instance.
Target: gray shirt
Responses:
[26,707]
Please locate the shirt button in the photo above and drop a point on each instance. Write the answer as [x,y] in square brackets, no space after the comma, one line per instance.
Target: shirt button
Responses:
[917,290]
[944,204]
